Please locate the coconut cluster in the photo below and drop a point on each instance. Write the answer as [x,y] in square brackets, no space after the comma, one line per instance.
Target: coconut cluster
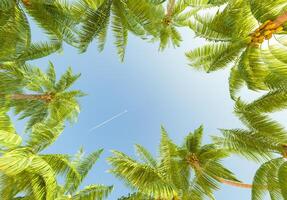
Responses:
[167,20]
[265,32]
[193,160]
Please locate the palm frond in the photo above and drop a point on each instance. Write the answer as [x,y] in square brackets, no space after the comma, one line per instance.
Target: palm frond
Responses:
[8,136]
[265,10]
[90,192]
[55,18]
[44,134]
[95,21]
[248,144]
[39,50]
[83,166]
[140,176]
[193,141]
[260,122]
[235,82]
[145,155]
[282,178]
[120,33]
[261,179]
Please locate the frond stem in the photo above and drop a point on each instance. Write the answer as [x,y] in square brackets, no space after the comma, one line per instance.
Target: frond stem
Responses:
[193,161]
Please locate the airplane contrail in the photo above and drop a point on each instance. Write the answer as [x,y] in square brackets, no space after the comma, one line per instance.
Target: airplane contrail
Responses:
[108,120]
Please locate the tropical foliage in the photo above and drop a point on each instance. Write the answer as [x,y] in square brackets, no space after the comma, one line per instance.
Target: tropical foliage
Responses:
[264,141]
[249,36]
[37,95]
[80,22]
[15,33]
[189,171]
[26,173]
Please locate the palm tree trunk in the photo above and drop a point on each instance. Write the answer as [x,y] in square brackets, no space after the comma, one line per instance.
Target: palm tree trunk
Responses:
[170,7]
[193,161]
[40,97]
[280,20]
[26,2]
[234,183]
[228,182]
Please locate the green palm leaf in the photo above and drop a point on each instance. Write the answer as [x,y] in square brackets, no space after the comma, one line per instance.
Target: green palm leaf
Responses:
[93,192]
[141,176]
[8,136]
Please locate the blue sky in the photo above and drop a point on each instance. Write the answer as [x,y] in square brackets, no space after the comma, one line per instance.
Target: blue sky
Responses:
[154,88]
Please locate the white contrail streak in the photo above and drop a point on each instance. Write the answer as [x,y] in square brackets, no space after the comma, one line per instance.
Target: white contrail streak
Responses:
[108,120]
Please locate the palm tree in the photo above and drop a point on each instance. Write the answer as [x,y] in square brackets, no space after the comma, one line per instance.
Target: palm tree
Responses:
[26,173]
[144,18]
[146,177]
[176,14]
[264,141]
[37,95]
[78,23]
[237,35]
[189,171]
[205,162]
[133,16]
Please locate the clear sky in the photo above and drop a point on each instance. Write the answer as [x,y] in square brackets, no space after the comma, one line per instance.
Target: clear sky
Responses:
[150,89]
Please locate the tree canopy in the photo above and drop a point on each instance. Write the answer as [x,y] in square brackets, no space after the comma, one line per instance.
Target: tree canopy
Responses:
[248,36]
